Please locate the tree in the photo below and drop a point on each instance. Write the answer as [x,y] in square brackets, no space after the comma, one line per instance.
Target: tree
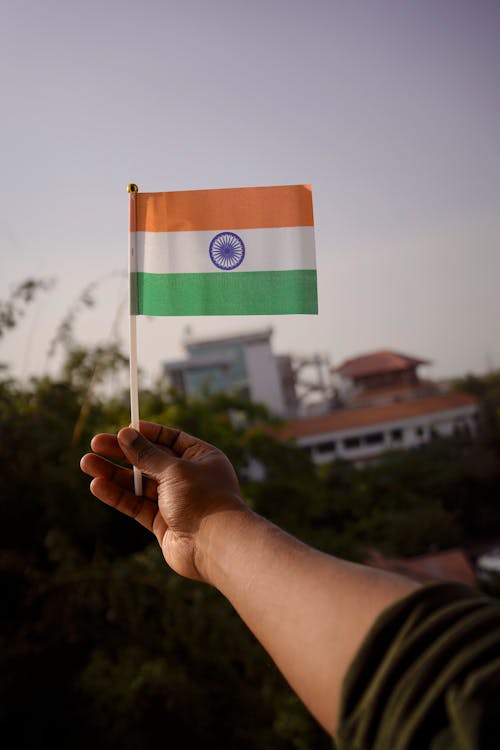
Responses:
[96,624]
[93,622]
[14,307]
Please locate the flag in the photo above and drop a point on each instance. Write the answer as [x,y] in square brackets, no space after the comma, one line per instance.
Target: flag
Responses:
[234,251]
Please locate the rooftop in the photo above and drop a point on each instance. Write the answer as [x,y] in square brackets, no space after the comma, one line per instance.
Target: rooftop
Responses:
[396,392]
[199,363]
[264,334]
[376,363]
[345,419]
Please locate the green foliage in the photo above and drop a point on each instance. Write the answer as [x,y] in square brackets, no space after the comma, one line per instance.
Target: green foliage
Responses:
[490,584]
[14,307]
[487,389]
[102,645]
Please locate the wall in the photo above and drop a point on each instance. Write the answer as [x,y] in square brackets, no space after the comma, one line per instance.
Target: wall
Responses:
[263,376]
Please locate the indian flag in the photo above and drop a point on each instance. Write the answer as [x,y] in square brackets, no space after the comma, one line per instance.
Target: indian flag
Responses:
[240,251]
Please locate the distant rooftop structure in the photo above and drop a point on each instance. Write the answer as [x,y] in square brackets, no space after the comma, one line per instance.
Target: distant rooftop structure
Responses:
[193,343]
[379,363]
[382,404]
[381,377]
[348,419]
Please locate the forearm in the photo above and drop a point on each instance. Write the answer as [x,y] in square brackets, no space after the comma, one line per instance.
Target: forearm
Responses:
[310,611]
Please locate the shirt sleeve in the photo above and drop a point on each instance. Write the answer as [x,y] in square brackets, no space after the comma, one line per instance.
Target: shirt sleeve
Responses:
[427,676]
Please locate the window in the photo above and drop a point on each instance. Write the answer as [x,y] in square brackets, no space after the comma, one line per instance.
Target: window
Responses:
[396,435]
[352,442]
[373,438]
[327,446]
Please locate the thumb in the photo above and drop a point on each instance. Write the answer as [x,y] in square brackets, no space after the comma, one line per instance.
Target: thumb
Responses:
[142,453]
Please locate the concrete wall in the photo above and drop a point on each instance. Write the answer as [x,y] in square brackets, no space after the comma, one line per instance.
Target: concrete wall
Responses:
[263,376]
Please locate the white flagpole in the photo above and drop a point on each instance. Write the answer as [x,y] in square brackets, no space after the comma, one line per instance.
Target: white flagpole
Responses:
[134,388]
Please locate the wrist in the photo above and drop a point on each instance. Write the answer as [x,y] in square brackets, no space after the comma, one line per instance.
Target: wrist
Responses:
[219,534]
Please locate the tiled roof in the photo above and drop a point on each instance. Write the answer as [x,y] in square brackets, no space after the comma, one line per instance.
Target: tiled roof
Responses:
[378,362]
[345,419]
[395,392]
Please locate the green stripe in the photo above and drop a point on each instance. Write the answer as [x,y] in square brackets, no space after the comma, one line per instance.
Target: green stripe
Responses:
[224,293]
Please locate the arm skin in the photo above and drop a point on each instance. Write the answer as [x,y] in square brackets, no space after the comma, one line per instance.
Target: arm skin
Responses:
[309,610]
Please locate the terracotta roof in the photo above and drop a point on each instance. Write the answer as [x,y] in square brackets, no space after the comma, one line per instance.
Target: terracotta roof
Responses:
[422,388]
[450,565]
[378,362]
[345,419]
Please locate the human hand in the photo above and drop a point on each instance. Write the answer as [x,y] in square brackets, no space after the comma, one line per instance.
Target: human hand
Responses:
[187,483]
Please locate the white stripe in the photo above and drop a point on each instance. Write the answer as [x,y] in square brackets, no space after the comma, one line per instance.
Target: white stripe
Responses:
[276,249]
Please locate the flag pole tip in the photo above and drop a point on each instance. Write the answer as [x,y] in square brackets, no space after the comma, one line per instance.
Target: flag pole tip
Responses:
[132,188]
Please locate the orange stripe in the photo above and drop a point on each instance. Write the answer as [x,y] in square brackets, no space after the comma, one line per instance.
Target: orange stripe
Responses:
[229,208]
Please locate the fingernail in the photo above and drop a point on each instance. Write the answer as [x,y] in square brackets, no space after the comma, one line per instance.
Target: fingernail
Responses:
[127,435]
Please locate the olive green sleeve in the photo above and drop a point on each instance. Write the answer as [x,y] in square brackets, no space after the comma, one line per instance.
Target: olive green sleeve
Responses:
[427,676]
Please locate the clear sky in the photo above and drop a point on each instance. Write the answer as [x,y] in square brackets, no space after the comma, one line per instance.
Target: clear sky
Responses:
[389,108]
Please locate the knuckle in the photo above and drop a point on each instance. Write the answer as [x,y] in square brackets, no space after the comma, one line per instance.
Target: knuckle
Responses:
[144,450]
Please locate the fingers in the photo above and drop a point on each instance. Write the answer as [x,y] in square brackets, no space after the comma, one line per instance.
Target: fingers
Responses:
[107,445]
[157,433]
[177,441]
[97,466]
[139,508]
[143,453]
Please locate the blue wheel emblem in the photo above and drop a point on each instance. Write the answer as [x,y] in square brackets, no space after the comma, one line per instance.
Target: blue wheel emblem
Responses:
[227,251]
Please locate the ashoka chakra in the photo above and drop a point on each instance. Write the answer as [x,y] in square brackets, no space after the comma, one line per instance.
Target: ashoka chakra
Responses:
[227,251]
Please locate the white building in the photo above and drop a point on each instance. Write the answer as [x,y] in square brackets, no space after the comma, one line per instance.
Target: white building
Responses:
[386,405]
[362,433]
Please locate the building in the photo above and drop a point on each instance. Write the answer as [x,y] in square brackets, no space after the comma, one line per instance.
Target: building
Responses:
[369,404]
[241,364]
[363,433]
[385,405]
[245,364]
[381,377]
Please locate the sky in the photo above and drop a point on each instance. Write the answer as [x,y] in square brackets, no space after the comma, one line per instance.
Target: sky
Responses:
[390,109]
